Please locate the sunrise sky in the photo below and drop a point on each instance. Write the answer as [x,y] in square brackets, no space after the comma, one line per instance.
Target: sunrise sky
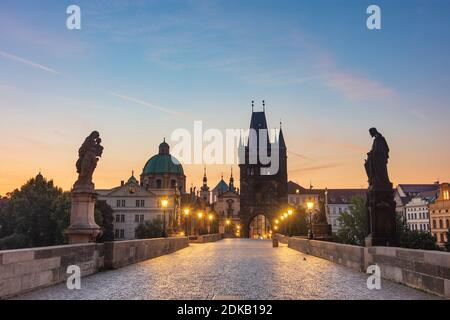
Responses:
[137,70]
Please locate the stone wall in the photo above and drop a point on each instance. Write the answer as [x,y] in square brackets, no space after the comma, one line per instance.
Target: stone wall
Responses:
[421,269]
[347,255]
[122,253]
[206,238]
[28,269]
[24,270]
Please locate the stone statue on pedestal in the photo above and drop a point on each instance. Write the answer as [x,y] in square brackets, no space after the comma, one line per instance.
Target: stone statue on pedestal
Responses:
[380,195]
[82,227]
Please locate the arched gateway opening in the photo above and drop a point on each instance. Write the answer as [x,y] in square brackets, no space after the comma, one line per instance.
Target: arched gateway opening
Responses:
[259,227]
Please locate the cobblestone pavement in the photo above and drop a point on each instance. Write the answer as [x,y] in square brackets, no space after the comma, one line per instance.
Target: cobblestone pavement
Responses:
[232,267]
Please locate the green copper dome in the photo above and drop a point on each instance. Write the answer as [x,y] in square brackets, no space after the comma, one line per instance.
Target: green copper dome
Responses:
[163,162]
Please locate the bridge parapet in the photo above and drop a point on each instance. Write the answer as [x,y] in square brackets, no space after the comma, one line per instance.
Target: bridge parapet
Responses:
[206,238]
[24,270]
[421,269]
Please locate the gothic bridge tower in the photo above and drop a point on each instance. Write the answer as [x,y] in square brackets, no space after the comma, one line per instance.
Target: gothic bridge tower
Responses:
[263,193]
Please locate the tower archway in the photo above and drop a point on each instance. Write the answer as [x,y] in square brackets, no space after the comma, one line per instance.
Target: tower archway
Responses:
[259,227]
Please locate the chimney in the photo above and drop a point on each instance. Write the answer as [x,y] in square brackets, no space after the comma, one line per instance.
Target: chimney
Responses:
[122,183]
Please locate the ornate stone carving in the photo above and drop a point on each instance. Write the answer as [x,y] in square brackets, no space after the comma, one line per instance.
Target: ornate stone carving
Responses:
[88,156]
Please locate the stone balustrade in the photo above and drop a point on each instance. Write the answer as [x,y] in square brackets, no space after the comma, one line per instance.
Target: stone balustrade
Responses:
[122,253]
[206,238]
[24,270]
[421,269]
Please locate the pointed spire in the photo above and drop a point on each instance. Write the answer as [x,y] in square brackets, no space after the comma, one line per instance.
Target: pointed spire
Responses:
[231,184]
[205,179]
[281,142]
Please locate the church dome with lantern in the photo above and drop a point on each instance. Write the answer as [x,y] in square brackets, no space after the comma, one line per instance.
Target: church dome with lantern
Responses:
[163,171]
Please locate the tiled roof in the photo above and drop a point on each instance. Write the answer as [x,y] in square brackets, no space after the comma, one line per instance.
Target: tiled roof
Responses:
[344,196]
[418,188]
[293,187]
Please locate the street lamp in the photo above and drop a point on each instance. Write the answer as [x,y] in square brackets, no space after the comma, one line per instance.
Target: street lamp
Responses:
[210,218]
[186,215]
[310,206]
[164,204]
[199,216]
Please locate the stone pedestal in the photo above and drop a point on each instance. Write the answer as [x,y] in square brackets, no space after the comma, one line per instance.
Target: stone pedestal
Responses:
[83,228]
[381,217]
[321,230]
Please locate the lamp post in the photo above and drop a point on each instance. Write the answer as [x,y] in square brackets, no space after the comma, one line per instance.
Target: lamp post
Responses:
[199,216]
[227,223]
[310,206]
[164,204]
[210,219]
[290,212]
[186,215]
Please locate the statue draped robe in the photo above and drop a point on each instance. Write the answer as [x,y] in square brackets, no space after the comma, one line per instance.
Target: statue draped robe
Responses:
[376,163]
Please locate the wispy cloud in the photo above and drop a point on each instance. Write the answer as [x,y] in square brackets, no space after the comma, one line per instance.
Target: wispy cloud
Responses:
[314,168]
[29,63]
[150,105]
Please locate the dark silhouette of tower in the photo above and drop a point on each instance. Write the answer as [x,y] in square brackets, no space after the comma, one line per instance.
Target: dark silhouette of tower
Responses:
[262,191]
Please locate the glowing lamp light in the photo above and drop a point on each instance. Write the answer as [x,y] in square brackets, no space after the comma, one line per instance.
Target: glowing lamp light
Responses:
[210,217]
[310,205]
[186,212]
[200,215]
[290,212]
[164,203]
[228,222]
[285,215]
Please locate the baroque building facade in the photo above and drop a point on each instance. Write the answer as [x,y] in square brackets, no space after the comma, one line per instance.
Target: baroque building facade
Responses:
[440,214]
[135,202]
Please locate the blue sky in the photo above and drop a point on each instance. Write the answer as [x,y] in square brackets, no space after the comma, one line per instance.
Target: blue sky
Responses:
[315,63]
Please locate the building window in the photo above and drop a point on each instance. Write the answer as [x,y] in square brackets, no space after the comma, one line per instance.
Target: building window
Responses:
[446,195]
[142,203]
[118,203]
[448,224]
[117,217]
[141,218]
[173,183]
[136,218]
[122,233]
[138,203]
[434,224]
[441,225]
[122,218]
[116,233]
[158,184]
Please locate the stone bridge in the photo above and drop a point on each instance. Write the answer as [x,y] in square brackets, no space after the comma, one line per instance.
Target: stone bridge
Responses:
[249,269]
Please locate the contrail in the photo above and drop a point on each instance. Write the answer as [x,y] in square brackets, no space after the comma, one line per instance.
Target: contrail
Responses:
[29,63]
[172,112]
